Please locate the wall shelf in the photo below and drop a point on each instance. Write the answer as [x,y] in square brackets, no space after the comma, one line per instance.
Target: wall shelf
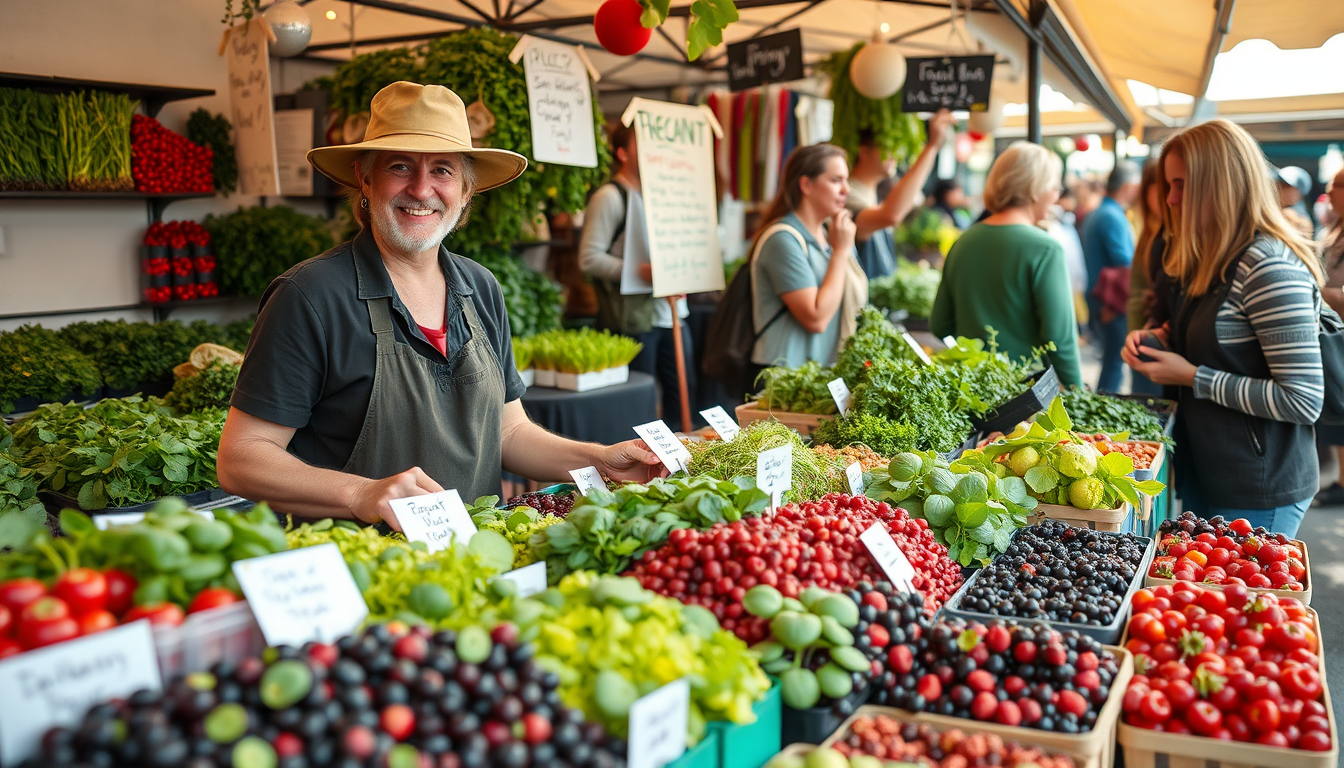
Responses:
[155,202]
[152,97]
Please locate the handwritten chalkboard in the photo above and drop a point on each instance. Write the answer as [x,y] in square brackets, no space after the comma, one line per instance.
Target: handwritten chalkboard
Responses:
[770,59]
[947,82]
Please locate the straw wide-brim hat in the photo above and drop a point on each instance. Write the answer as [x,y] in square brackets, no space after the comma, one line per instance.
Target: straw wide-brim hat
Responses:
[409,117]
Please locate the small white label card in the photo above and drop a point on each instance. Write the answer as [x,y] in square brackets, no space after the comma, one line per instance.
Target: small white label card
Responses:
[889,557]
[435,518]
[302,595]
[918,350]
[587,479]
[774,472]
[658,724]
[722,423]
[103,522]
[665,444]
[840,393]
[950,341]
[530,579]
[854,472]
[55,686]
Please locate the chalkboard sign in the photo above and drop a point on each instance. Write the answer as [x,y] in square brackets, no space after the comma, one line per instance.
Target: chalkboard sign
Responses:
[770,59]
[947,82]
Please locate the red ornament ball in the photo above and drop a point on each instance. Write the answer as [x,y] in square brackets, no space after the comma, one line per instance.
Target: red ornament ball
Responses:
[618,29]
[1081,144]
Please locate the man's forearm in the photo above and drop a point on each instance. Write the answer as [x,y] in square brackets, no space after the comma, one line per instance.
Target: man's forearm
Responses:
[262,471]
[530,451]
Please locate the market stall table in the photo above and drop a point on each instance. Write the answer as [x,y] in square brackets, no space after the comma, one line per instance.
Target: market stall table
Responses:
[606,415]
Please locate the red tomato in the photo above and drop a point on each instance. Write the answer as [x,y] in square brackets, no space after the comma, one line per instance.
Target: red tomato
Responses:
[1219,558]
[1314,741]
[1204,718]
[15,594]
[1155,707]
[1241,526]
[159,614]
[1290,711]
[1301,682]
[1291,635]
[1249,638]
[6,621]
[1148,628]
[9,648]
[213,597]
[1173,622]
[1211,625]
[1134,695]
[1310,708]
[1212,600]
[1142,599]
[1181,694]
[96,621]
[1263,716]
[1313,723]
[83,589]
[120,590]
[1164,652]
[1236,725]
[1303,656]
[1264,688]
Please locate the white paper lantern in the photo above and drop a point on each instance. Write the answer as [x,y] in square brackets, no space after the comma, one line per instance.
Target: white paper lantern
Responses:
[877,70]
[292,27]
[987,122]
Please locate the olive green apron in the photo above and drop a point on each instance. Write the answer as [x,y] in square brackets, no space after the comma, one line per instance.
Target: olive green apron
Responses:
[425,414]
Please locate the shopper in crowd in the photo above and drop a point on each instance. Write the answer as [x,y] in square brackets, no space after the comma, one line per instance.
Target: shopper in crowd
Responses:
[1331,248]
[1108,245]
[382,368]
[1058,224]
[805,278]
[1294,184]
[1243,347]
[1148,309]
[614,232]
[949,199]
[1007,274]
[874,245]
[1088,195]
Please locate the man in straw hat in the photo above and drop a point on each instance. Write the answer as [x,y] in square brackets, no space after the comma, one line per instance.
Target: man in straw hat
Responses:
[383,368]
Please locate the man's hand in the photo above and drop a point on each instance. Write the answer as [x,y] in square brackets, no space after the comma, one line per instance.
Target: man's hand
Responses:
[631,461]
[370,504]
[940,128]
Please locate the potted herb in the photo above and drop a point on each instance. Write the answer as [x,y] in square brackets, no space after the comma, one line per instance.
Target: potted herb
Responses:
[37,366]
[253,246]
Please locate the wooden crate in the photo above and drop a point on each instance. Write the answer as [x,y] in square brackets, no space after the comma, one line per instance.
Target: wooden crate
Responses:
[1304,595]
[805,423]
[1111,520]
[1094,749]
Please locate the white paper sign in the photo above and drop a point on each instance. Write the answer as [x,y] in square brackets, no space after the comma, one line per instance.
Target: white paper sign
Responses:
[56,685]
[676,170]
[918,350]
[293,139]
[530,579]
[587,479]
[722,423]
[434,518]
[658,724]
[854,472]
[103,522]
[665,444]
[560,101]
[950,341]
[250,98]
[889,557]
[302,595]
[840,393]
[774,469]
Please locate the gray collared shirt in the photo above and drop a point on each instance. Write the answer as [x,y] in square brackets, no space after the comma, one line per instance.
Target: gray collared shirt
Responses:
[311,359]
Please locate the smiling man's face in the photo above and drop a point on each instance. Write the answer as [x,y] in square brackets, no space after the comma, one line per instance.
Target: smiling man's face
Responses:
[415,199]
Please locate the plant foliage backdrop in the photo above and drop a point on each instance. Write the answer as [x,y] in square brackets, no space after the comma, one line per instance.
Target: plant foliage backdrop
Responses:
[893,131]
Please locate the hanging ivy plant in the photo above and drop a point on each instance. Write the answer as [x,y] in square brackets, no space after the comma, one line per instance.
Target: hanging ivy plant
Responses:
[245,10]
[893,131]
[355,82]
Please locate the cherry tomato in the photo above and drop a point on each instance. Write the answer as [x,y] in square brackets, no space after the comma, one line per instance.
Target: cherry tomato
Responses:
[1264,688]
[159,614]
[96,621]
[1155,707]
[1290,712]
[1211,625]
[1236,725]
[214,597]
[1181,694]
[1134,695]
[1263,716]
[1301,682]
[16,594]
[83,589]
[1314,741]
[1291,635]
[120,590]
[6,621]
[1303,656]
[1241,526]
[9,647]
[1173,622]
[1204,718]
[1148,628]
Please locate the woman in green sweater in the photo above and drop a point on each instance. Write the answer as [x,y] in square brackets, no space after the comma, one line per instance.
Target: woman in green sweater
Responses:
[1008,274]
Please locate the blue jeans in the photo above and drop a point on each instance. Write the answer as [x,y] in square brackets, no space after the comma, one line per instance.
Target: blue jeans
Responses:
[1111,336]
[1284,519]
[1142,385]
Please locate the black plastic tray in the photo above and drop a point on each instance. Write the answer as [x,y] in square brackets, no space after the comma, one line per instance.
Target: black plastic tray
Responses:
[57,501]
[812,726]
[966,445]
[1107,635]
[1043,389]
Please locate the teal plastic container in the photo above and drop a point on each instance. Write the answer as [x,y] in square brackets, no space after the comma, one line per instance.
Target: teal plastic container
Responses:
[702,755]
[752,746]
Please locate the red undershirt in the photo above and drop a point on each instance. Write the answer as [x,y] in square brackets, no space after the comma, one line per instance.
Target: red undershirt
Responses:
[438,338]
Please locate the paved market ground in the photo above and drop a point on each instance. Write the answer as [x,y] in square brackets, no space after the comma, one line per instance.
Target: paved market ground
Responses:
[1323,532]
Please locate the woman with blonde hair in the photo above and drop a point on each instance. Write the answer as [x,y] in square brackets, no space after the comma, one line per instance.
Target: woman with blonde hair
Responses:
[1008,274]
[1244,345]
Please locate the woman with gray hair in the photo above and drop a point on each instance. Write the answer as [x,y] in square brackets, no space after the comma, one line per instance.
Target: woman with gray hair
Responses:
[1007,274]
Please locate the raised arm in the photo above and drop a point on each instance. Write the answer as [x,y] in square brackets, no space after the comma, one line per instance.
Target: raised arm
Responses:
[901,199]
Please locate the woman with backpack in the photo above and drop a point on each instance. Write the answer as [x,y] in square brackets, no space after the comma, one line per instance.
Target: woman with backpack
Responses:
[1244,347]
[614,231]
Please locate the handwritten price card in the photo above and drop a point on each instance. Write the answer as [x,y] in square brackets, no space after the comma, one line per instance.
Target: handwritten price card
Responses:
[587,479]
[302,595]
[658,724]
[840,393]
[889,557]
[560,101]
[722,423]
[665,445]
[434,518]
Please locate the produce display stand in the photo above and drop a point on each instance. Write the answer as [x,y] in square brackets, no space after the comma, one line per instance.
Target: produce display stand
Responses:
[805,423]
[1094,749]
[1043,390]
[1108,634]
[1107,520]
[815,724]
[751,746]
[1304,595]
[211,498]
[705,754]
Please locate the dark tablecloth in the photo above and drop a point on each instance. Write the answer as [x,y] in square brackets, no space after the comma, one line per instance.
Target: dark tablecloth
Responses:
[607,415]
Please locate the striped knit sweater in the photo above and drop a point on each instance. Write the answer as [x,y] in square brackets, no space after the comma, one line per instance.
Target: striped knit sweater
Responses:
[1273,302]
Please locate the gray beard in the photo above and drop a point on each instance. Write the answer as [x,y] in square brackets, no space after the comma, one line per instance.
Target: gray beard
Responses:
[390,233]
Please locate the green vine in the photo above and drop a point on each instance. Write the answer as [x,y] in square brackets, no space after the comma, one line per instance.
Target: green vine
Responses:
[893,131]
[245,11]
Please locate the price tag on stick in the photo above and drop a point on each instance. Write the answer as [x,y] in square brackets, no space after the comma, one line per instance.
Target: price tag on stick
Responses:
[840,393]
[55,686]
[889,557]
[916,348]
[722,423]
[774,472]
[587,479]
[434,518]
[854,472]
[530,579]
[302,595]
[665,444]
[658,724]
